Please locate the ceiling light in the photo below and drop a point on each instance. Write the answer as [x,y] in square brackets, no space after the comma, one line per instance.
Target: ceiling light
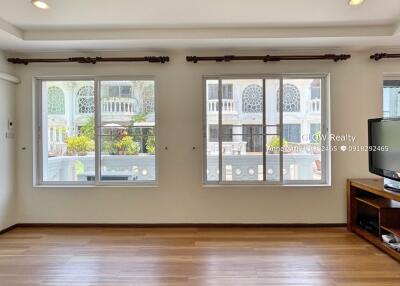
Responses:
[355,2]
[40,4]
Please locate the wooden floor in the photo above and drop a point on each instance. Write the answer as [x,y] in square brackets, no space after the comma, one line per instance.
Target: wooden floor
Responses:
[192,256]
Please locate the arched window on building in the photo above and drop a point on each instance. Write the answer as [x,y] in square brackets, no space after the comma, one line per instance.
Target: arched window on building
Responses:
[252,99]
[148,99]
[85,99]
[291,98]
[55,101]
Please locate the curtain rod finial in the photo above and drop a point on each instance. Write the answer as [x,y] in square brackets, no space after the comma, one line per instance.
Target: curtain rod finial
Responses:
[17,61]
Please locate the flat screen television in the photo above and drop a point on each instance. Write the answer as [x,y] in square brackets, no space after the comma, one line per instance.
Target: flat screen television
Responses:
[384,150]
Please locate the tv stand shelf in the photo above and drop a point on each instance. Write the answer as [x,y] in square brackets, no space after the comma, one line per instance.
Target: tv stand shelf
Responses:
[395,231]
[367,200]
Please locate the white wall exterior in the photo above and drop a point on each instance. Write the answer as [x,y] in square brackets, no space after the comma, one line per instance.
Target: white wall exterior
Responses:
[7,149]
[356,95]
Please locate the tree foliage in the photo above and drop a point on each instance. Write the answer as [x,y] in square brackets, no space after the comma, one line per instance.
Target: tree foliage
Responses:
[126,146]
[151,143]
[79,145]
[88,129]
[275,144]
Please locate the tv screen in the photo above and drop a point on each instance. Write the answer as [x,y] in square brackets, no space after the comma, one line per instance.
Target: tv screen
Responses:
[384,147]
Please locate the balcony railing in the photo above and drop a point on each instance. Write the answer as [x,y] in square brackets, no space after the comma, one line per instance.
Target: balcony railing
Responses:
[250,167]
[57,148]
[228,106]
[315,105]
[228,148]
[142,168]
[118,105]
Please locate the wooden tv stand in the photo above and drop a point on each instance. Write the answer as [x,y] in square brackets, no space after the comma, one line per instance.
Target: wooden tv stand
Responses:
[367,198]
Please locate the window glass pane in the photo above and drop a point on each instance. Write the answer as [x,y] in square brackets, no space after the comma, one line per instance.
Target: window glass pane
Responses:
[227,133]
[213,133]
[315,132]
[113,91]
[228,91]
[252,135]
[316,89]
[301,129]
[391,98]
[68,131]
[127,133]
[125,91]
[212,120]
[291,133]
[242,158]
[212,90]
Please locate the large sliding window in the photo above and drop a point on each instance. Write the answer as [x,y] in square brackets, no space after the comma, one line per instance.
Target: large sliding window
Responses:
[269,130]
[96,132]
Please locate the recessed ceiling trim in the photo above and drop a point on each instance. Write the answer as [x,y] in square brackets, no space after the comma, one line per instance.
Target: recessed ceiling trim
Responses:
[216,33]
[10,29]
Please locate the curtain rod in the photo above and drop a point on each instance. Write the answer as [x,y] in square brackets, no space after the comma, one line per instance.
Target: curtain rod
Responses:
[379,56]
[89,60]
[269,58]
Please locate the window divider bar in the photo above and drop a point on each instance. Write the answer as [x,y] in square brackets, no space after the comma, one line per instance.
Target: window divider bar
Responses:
[39,139]
[281,129]
[97,130]
[220,129]
[264,131]
[325,118]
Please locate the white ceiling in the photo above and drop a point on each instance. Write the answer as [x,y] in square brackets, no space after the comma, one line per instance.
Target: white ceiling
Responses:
[161,24]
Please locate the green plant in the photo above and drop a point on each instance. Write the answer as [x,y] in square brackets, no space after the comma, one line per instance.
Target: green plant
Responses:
[141,117]
[109,147]
[79,167]
[79,145]
[275,144]
[64,133]
[151,143]
[126,146]
[88,129]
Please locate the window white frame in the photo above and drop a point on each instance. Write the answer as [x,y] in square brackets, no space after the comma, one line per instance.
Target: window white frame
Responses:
[325,126]
[38,141]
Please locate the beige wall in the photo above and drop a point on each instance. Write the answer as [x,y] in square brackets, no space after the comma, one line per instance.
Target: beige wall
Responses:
[356,95]
[7,149]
